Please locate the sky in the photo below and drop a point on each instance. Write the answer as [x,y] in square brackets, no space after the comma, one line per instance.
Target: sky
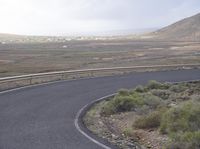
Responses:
[90,17]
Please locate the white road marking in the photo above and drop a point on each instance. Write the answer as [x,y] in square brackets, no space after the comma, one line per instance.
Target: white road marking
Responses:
[78,117]
[34,85]
[45,83]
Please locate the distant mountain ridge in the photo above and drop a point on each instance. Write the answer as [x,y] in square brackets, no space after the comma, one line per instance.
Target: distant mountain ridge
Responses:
[187,29]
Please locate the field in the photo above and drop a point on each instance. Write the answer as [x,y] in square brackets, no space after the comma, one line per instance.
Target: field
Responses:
[25,58]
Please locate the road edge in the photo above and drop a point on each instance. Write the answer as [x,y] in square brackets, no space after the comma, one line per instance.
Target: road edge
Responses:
[83,129]
[59,81]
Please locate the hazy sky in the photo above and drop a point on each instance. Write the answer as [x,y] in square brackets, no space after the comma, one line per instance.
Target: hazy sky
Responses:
[68,17]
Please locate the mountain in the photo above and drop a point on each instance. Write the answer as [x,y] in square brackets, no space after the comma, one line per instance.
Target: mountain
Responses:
[187,29]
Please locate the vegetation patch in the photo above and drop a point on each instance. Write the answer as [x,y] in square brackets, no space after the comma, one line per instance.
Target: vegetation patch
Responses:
[151,120]
[123,102]
[158,115]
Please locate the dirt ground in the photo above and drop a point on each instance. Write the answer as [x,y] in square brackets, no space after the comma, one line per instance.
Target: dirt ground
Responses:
[16,59]
[119,129]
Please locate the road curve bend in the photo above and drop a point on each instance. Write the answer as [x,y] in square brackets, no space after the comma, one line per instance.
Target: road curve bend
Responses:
[42,117]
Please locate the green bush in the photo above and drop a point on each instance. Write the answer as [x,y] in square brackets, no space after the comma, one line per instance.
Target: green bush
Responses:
[123,92]
[123,103]
[157,85]
[178,88]
[185,117]
[108,109]
[152,101]
[187,140]
[154,85]
[140,89]
[126,103]
[151,120]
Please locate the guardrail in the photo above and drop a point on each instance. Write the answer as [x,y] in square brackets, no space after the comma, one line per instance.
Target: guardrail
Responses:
[23,80]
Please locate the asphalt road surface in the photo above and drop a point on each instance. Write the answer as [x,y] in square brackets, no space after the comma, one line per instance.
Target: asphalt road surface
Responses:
[42,117]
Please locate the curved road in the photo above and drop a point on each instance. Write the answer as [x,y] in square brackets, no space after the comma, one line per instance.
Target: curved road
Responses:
[42,117]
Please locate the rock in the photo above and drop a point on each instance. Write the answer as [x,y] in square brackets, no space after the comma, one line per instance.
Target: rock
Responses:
[114,136]
[130,144]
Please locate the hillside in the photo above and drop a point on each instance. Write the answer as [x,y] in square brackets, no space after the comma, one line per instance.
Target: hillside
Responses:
[187,29]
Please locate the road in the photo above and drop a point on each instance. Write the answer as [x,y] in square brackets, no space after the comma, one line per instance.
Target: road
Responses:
[42,117]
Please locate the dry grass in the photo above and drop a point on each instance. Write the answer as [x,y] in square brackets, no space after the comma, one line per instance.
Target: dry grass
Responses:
[16,59]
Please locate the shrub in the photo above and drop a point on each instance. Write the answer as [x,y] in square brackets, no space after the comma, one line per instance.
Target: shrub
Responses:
[157,85]
[178,88]
[154,85]
[126,103]
[151,120]
[164,94]
[123,92]
[183,118]
[140,89]
[152,101]
[123,104]
[187,140]
[108,109]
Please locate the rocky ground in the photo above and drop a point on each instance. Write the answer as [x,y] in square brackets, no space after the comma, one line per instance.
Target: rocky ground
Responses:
[103,127]
[118,128]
